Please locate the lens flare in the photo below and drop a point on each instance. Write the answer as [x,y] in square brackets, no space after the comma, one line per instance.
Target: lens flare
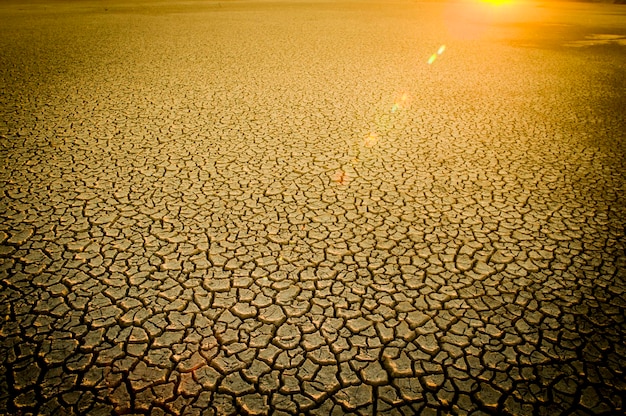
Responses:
[400,102]
[371,140]
[341,177]
[434,56]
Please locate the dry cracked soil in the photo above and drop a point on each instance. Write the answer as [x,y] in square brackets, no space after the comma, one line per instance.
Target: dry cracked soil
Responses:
[312,208]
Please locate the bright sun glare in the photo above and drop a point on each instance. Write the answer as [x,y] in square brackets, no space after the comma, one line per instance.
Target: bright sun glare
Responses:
[496,2]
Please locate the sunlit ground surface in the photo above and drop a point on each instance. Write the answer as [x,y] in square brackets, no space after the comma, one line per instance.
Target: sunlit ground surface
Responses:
[312,208]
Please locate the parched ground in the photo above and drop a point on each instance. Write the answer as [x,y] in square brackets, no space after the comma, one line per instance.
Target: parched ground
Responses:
[280,208]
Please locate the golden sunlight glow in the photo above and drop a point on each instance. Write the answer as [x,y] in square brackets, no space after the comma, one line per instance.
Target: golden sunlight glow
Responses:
[475,19]
[497,2]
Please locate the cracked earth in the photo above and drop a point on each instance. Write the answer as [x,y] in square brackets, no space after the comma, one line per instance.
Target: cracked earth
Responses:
[310,208]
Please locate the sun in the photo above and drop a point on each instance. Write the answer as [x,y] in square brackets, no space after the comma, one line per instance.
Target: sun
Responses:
[497,2]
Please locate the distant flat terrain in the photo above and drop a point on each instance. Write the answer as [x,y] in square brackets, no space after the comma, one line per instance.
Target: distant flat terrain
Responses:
[312,207]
